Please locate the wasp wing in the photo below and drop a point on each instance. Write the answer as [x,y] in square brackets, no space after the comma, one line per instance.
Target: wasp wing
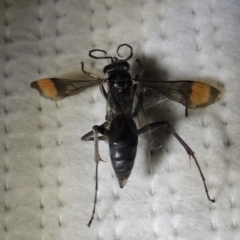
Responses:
[190,93]
[57,88]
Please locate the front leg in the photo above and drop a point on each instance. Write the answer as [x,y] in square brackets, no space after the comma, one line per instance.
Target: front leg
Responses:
[88,73]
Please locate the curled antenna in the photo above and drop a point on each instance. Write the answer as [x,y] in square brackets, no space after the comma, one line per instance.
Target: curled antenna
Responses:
[99,50]
[131,53]
[113,59]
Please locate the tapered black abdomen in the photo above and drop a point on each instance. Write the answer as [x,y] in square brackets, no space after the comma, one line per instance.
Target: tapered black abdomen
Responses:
[123,142]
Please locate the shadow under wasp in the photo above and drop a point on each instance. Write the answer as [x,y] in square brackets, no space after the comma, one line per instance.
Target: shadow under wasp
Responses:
[124,104]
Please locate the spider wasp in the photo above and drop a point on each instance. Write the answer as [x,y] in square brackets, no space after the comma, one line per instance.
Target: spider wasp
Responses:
[120,128]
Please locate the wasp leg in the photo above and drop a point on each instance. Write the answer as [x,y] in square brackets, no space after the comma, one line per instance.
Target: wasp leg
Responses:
[142,70]
[89,137]
[88,73]
[101,129]
[186,109]
[139,63]
[103,91]
[189,151]
[97,160]
[186,112]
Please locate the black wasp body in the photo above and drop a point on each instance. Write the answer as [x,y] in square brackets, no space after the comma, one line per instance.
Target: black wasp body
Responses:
[122,132]
[124,103]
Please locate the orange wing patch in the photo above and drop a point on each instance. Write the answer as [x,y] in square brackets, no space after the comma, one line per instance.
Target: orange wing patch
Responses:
[46,87]
[200,93]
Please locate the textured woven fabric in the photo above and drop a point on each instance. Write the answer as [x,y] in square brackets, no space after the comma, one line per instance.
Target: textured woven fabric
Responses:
[47,174]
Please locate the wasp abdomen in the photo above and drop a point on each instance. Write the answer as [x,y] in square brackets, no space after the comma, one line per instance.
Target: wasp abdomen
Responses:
[122,161]
[122,147]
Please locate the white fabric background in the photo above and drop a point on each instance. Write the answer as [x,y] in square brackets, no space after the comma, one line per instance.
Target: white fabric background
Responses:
[47,172]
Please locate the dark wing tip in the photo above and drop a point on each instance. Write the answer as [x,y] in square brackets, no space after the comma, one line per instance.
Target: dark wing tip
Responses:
[33,84]
[216,93]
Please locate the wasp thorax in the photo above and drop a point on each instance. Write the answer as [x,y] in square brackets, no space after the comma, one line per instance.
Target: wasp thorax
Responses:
[120,80]
[116,66]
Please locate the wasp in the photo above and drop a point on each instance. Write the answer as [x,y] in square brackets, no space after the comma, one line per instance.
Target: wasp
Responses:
[124,103]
